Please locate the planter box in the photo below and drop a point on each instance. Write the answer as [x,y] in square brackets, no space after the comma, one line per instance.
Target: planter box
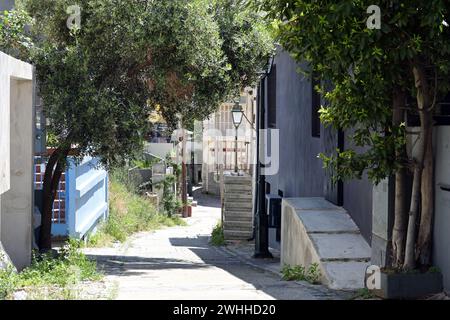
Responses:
[409,285]
[186,212]
[189,211]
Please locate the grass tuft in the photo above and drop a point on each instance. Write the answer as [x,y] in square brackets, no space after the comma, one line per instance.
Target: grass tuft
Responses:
[217,236]
[49,276]
[300,273]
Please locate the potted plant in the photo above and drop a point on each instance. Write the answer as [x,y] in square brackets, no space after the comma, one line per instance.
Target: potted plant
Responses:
[408,284]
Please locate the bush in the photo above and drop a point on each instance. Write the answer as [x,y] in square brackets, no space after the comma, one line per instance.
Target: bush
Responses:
[217,236]
[64,271]
[129,213]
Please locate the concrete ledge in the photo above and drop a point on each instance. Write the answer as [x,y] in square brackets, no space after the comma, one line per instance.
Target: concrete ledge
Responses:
[314,230]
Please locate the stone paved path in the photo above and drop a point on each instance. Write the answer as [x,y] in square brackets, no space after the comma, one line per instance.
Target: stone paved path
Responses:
[178,263]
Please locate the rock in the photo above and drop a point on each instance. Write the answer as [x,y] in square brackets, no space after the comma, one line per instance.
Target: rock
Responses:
[20,295]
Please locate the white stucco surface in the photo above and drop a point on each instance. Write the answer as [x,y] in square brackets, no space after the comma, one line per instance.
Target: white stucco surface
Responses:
[15,69]
[16,158]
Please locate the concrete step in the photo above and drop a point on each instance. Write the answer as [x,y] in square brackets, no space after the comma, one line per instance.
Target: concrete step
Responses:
[238,216]
[238,193]
[239,201]
[235,206]
[238,225]
[345,274]
[316,231]
[233,188]
[237,235]
[238,197]
[237,180]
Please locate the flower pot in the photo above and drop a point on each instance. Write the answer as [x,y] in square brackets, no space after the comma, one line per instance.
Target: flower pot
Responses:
[189,211]
[186,211]
[409,285]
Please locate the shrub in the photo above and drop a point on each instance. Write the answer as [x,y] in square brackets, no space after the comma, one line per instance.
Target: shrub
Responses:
[217,236]
[129,213]
[300,273]
[64,271]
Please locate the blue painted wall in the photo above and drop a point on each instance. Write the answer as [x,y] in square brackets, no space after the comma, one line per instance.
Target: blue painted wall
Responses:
[6,4]
[86,199]
[301,173]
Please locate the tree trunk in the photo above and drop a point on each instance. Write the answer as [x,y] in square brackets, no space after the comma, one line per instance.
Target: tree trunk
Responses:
[426,121]
[183,174]
[400,214]
[413,211]
[423,248]
[52,176]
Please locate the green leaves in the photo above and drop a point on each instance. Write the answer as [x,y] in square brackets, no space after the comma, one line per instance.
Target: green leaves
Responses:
[333,37]
[100,83]
[13,38]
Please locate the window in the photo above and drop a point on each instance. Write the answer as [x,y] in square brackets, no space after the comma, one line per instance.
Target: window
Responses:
[315,106]
[272,98]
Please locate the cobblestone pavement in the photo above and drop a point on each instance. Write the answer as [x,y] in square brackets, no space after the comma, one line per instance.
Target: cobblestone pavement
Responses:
[179,263]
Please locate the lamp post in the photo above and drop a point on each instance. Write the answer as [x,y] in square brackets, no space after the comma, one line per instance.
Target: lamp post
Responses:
[237,113]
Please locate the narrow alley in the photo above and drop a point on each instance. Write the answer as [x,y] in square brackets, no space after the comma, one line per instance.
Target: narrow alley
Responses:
[179,263]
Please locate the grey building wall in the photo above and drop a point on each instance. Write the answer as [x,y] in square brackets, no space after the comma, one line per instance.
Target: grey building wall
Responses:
[358,197]
[301,173]
[441,235]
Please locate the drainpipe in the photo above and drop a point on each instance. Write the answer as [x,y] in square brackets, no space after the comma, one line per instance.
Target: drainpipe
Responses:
[261,218]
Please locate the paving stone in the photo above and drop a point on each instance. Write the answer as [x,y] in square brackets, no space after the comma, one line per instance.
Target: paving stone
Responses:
[179,263]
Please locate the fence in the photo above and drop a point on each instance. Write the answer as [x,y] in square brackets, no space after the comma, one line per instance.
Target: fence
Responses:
[82,197]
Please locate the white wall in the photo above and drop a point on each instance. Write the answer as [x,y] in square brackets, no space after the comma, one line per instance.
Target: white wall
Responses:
[159,149]
[16,160]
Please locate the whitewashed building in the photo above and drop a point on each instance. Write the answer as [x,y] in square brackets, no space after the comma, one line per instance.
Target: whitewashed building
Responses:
[16,159]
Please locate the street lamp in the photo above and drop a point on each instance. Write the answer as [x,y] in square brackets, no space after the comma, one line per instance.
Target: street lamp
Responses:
[237,114]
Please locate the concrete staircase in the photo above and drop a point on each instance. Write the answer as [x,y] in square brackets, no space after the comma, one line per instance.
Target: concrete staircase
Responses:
[316,231]
[238,204]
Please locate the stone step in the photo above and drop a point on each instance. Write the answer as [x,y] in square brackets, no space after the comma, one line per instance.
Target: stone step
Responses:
[245,220]
[238,206]
[238,193]
[246,199]
[238,216]
[232,188]
[237,235]
[348,275]
[238,197]
[238,180]
[238,225]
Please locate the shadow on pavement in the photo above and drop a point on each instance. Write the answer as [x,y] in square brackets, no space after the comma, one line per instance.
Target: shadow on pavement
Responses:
[130,265]
[206,200]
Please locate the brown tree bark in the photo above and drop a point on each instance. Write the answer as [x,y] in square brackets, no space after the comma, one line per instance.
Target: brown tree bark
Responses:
[426,127]
[400,213]
[52,176]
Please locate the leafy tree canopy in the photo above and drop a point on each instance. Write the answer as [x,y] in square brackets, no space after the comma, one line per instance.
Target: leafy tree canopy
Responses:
[184,58]
[100,80]
[365,66]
